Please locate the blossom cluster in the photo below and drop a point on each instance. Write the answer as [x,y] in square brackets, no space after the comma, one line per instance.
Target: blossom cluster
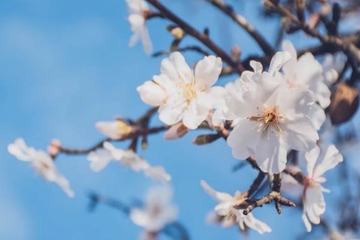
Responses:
[271,112]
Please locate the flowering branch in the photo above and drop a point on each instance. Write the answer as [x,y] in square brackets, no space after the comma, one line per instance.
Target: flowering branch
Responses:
[140,129]
[202,37]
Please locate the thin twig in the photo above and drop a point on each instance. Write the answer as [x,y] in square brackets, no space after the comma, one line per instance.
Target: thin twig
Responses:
[202,37]
[183,49]
[242,22]
[133,135]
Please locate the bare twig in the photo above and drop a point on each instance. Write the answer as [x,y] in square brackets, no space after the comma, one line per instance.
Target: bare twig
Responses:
[299,176]
[348,48]
[183,49]
[242,22]
[140,129]
[139,132]
[202,37]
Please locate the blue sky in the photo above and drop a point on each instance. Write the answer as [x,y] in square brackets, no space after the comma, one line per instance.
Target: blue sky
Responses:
[65,65]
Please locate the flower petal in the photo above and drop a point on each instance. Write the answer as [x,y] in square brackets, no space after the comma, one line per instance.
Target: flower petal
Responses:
[207,71]
[277,61]
[242,138]
[152,93]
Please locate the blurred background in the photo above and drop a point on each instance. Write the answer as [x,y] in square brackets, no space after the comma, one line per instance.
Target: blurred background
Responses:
[64,65]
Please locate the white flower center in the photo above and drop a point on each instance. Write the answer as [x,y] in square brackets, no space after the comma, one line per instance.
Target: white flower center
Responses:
[155,210]
[189,92]
[269,119]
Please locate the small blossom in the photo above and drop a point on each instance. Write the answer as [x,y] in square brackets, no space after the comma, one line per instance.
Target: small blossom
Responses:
[158,211]
[137,11]
[102,157]
[265,125]
[231,215]
[181,93]
[41,162]
[319,160]
[307,72]
[114,129]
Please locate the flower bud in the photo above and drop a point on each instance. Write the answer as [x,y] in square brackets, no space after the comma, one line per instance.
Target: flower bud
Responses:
[205,139]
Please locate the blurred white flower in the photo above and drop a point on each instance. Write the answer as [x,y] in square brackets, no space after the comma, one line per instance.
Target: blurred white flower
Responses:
[270,118]
[231,215]
[41,162]
[158,211]
[101,158]
[137,11]
[183,94]
[332,64]
[116,129]
[319,160]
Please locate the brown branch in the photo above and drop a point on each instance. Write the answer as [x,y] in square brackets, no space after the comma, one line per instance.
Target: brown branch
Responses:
[141,128]
[137,133]
[183,49]
[146,117]
[273,196]
[242,22]
[202,37]
[255,185]
[348,48]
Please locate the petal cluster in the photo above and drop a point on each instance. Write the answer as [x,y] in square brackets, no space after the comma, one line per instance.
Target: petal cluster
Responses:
[269,118]
[183,94]
[41,162]
[100,158]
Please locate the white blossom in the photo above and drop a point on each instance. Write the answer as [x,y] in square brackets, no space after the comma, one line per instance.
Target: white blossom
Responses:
[181,93]
[231,215]
[319,160]
[114,129]
[270,118]
[102,157]
[158,211]
[41,162]
[307,72]
[137,10]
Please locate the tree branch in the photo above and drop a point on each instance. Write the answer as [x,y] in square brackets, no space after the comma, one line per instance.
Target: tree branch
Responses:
[242,22]
[202,37]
